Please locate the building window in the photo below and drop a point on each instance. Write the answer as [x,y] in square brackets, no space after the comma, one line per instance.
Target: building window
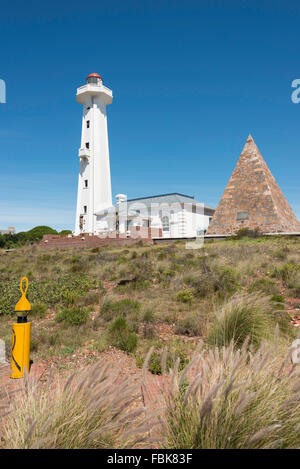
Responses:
[193,208]
[165,223]
[85,209]
[87,124]
[86,183]
[87,145]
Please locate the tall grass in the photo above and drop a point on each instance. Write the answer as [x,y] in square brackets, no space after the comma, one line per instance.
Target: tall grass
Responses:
[246,315]
[237,400]
[93,409]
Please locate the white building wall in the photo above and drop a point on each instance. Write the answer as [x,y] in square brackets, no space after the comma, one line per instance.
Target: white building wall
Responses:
[183,222]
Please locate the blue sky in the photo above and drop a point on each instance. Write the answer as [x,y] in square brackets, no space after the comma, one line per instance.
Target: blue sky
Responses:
[191,80]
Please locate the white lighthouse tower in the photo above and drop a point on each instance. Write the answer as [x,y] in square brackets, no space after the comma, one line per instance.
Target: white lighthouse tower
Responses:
[94,185]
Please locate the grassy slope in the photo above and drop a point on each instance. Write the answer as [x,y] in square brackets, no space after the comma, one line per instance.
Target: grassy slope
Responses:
[178,291]
[85,303]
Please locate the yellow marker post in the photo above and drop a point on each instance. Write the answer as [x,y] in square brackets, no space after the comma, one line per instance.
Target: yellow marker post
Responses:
[20,347]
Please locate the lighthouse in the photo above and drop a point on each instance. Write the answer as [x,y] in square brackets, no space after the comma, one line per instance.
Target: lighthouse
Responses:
[94,184]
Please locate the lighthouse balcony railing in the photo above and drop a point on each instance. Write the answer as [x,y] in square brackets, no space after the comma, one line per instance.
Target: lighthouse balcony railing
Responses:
[84,153]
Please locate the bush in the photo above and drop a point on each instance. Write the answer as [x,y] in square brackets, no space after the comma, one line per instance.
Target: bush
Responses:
[141,271]
[286,273]
[148,316]
[264,285]
[79,266]
[38,232]
[191,325]
[51,292]
[223,281]
[248,233]
[89,412]
[241,400]
[124,307]
[185,296]
[121,335]
[91,298]
[278,299]
[160,362]
[73,316]
[245,316]
[38,310]
[65,232]
[294,284]
[281,254]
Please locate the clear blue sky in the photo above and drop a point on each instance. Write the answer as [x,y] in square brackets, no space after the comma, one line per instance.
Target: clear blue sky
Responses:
[191,80]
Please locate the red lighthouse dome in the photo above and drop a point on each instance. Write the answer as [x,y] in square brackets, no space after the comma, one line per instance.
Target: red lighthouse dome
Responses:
[94,78]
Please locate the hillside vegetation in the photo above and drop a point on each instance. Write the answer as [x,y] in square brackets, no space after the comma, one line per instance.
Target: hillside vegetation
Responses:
[230,296]
[16,240]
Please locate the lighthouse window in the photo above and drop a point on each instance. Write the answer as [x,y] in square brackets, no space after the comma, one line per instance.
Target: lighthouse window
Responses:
[87,124]
[85,208]
[87,145]
[85,183]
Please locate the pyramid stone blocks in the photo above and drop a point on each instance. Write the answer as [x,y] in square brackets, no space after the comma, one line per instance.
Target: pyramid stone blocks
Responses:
[253,199]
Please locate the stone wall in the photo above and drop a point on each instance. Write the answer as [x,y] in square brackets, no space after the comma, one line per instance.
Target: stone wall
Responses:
[138,233]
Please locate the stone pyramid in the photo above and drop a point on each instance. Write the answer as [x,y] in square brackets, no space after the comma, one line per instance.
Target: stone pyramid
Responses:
[252,199]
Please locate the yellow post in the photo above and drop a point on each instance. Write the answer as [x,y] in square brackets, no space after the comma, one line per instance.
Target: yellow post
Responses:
[20,348]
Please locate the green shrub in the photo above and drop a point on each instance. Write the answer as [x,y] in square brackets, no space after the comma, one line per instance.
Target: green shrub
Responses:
[165,276]
[281,254]
[65,232]
[38,310]
[185,296]
[68,350]
[38,232]
[247,233]
[148,316]
[286,273]
[141,271]
[121,335]
[74,316]
[264,285]
[44,258]
[91,298]
[226,282]
[294,284]
[278,299]
[190,325]
[124,307]
[162,361]
[70,298]
[223,281]
[79,267]
[96,250]
[52,292]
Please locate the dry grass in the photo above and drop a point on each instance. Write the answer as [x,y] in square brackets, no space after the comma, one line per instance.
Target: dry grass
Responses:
[239,399]
[228,282]
[246,315]
[93,409]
